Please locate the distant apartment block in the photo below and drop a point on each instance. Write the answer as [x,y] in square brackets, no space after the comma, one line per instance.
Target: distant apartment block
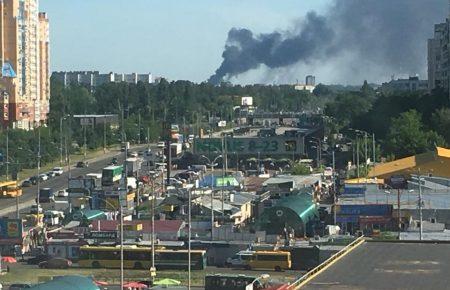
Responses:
[24,53]
[411,84]
[438,57]
[309,85]
[93,79]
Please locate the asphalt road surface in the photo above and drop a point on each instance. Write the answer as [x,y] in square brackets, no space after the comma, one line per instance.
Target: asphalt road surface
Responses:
[378,265]
[8,206]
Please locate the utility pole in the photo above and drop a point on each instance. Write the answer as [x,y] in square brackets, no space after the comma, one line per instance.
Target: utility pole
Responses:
[365,154]
[212,202]
[148,138]
[374,148]
[104,133]
[60,141]
[139,126]
[224,164]
[189,239]
[153,222]
[7,153]
[420,208]
[399,213]
[357,156]
[125,183]
[38,172]
[84,139]
[334,186]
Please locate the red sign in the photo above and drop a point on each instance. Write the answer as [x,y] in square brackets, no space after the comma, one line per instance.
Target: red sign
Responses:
[374,220]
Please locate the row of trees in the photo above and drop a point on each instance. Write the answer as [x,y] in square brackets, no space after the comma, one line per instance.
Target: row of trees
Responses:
[147,105]
[406,123]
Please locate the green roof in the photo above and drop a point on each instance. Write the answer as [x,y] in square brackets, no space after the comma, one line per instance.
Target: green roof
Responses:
[295,211]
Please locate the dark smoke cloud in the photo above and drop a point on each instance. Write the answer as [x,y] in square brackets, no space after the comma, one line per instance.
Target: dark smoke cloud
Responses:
[387,35]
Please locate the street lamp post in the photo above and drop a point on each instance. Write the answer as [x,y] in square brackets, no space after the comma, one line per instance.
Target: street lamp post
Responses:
[212,165]
[317,152]
[189,238]
[38,172]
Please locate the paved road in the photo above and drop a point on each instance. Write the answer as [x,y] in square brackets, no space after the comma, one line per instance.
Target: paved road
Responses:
[8,206]
[389,266]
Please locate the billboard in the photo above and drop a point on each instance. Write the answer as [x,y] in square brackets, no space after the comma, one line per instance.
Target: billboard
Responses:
[278,145]
[247,101]
[10,228]
[364,209]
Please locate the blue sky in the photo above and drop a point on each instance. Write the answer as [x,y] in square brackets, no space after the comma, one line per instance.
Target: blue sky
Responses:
[177,39]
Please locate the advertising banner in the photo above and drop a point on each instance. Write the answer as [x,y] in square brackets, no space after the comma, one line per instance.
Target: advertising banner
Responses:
[10,228]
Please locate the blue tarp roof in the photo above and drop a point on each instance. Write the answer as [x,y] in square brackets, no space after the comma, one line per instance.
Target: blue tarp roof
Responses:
[68,283]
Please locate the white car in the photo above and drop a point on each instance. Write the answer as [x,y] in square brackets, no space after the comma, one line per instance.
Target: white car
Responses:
[161,144]
[58,171]
[62,193]
[43,177]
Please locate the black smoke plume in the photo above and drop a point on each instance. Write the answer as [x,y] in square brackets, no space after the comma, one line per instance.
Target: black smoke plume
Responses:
[387,34]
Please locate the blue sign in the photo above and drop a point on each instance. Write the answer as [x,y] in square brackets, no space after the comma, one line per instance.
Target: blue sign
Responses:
[354,190]
[365,209]
[347,219]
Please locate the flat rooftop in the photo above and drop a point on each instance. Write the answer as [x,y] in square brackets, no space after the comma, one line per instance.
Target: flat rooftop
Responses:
[378,265]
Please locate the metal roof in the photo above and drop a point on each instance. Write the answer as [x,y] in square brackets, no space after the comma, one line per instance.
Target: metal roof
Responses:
[433,162]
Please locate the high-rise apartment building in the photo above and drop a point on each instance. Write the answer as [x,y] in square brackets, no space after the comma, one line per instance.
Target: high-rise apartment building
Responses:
[24,52]
[438,57]
[93,79]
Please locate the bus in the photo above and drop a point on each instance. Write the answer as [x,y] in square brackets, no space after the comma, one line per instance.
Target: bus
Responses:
[276,260]
[111,174]
[140,258]
[10,189]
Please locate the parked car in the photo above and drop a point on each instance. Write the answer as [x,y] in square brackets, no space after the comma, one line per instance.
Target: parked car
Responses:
[33,179]
[62,193]
[55,263]
[27,183]
[43,177]
[161,144]
[51,174]
[82,164]
[58,171]
[19,286]
[38,259]
[133,154]
[34,209]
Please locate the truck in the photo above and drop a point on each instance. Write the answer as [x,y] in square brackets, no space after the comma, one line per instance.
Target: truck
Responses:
[46,195]
[125,146]
[176,149]
[133,165]
[53,217]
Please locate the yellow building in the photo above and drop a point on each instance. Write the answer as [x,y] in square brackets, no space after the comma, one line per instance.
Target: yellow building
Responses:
[435,162]
[24,53]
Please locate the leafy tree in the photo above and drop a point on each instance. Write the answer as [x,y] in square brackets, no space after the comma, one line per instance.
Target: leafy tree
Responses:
[407,135]
[300,169]
[441,121]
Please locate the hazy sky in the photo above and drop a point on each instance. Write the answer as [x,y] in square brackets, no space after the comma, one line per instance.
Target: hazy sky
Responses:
[177,39]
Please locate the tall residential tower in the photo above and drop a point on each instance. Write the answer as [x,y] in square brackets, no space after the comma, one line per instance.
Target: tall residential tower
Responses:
[24,53]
